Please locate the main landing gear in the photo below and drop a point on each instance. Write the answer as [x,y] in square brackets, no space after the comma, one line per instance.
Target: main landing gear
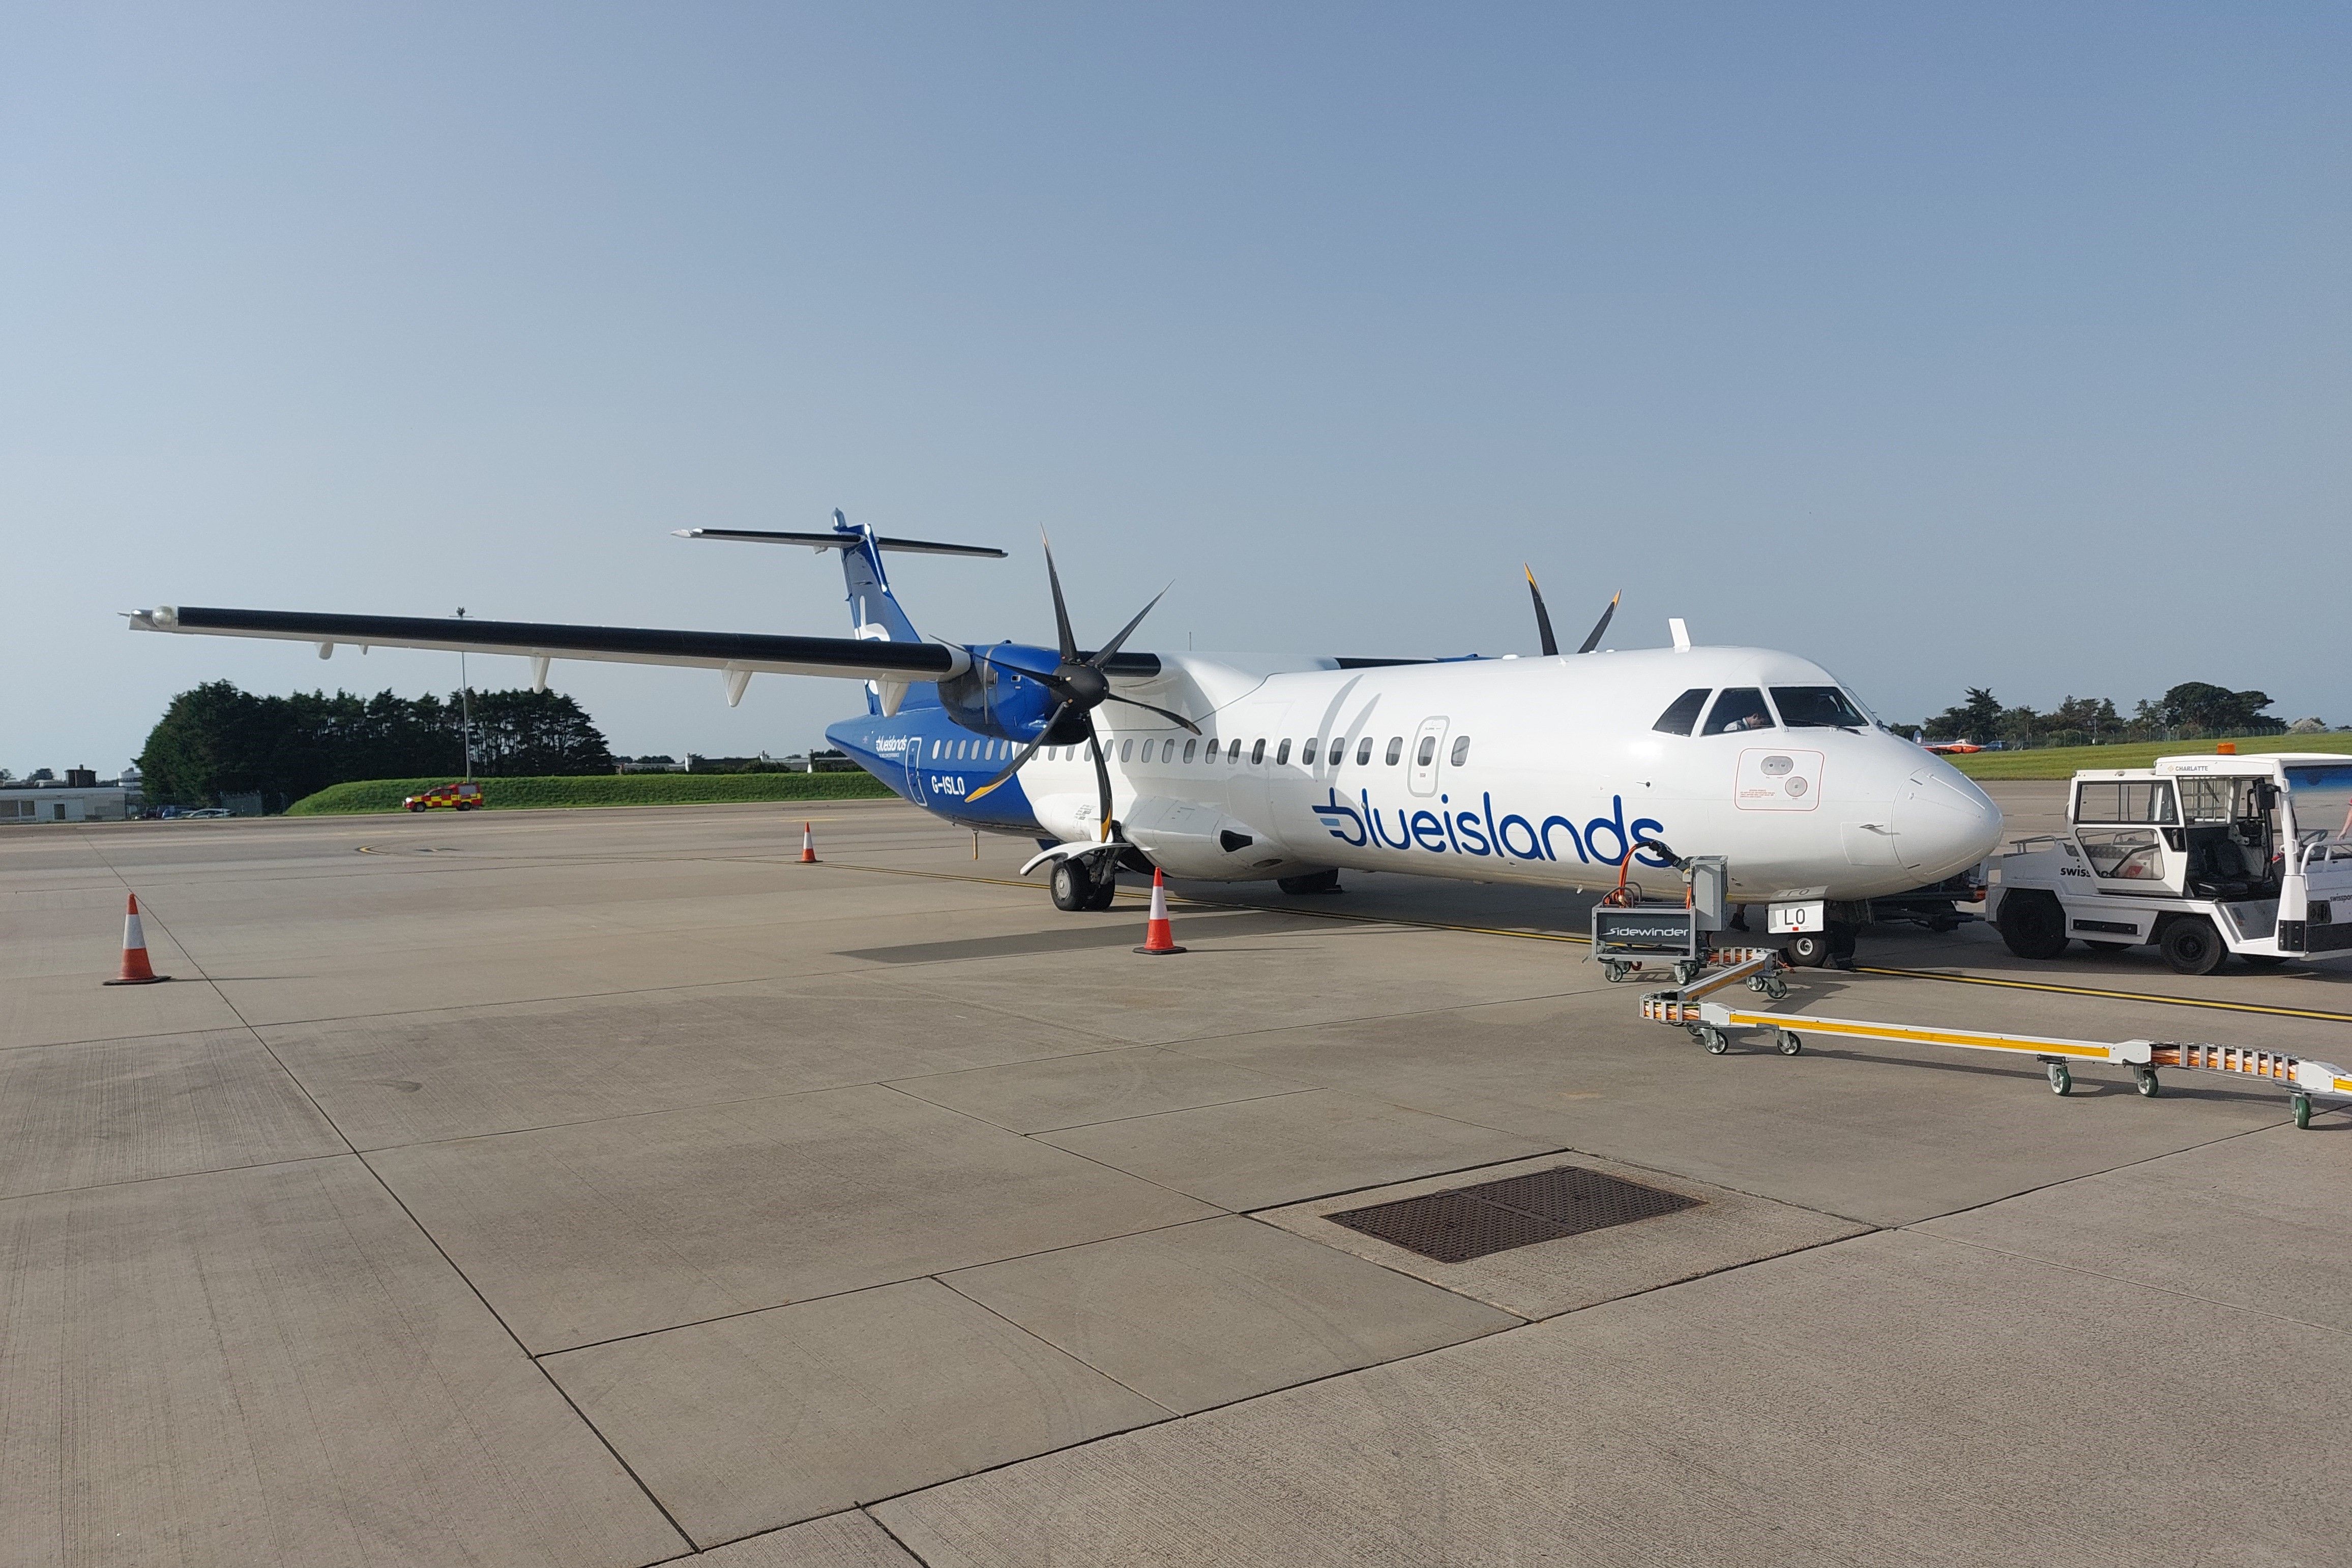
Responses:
[1075,888]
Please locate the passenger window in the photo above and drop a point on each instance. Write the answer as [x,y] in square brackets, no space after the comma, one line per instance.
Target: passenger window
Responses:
[1739,709]
[1168,750]
[1396,749]
[1190,746]
[1817,707]
[1257,752]
[1307,753]
[1233,752]
[1126,750]
[1428,752]
[1461,750]
[1363,751]
[1682,714]
[1282,753]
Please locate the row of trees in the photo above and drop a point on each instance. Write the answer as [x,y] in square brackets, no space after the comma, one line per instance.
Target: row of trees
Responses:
[2190,711]
[219,740]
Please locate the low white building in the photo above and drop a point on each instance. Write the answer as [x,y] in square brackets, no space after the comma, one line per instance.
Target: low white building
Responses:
[70,803]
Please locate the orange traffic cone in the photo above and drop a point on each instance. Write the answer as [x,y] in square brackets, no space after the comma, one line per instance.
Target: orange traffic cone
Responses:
[808,843]
[136,970]
[1158,939]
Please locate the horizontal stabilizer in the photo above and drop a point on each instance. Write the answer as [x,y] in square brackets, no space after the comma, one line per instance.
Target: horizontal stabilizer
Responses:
[837,541]
[854,658]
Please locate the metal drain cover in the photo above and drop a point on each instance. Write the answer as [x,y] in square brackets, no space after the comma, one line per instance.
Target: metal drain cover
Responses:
[1518,1212]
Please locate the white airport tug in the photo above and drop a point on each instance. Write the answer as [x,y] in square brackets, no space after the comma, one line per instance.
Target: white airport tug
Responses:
[2202,856]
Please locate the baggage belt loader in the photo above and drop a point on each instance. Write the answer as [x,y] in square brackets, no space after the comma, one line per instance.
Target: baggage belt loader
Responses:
[2199,856]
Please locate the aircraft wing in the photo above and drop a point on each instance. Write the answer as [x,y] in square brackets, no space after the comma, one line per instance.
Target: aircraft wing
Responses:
[852,658]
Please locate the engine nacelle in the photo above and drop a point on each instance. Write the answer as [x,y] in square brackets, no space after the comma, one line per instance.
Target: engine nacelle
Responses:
[994,697]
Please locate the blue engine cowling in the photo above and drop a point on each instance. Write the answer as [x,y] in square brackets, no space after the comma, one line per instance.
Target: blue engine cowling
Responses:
[1001,696]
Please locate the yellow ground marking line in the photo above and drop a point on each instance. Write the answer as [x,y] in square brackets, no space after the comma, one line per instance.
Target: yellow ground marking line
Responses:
[2321,1014]
[1193,901]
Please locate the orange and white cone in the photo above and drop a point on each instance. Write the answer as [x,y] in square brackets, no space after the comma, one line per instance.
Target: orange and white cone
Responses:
[808,843]
[136,970]
[1158,940]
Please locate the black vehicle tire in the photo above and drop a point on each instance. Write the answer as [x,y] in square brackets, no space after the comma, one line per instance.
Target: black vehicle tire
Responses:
[1105,886]
[2190,945]
[1312,882]
[1807,950]
[2031,924]
[1071,884]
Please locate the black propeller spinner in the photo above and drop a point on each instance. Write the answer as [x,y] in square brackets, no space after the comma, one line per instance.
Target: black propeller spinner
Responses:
[1543,617]
[1082,688]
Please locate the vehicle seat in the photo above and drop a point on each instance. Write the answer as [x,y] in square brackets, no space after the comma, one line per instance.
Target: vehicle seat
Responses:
[2217,865]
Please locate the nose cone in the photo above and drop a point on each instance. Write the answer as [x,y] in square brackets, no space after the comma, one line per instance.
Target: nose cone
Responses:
[1943,823]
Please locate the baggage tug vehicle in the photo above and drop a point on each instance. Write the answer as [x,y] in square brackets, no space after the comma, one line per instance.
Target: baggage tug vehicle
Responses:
[2201,856]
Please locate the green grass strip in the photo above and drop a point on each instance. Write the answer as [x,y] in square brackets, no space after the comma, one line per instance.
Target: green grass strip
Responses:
[2061,761]
[600,789]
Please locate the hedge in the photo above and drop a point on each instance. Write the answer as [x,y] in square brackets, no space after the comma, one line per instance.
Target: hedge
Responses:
[600,789]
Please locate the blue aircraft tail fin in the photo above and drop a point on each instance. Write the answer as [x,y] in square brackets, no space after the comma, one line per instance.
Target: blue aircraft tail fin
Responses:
[874,609]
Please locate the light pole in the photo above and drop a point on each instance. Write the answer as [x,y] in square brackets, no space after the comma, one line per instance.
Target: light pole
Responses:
[466,705]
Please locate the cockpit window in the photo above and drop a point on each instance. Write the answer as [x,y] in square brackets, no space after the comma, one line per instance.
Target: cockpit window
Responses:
[1682,714]
[1817,707]
[1739,709]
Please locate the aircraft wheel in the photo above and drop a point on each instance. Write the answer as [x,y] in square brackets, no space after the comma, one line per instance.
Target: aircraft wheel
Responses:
[2061,1080]
[2190,945]
[1807,950]
[2031,924]
[1105,887]
[1072,886]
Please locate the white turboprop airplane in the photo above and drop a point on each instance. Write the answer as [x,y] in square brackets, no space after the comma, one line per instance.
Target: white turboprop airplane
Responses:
[1572,771]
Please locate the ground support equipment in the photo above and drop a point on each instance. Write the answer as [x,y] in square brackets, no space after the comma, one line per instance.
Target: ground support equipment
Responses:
[1710,1022]
[1759,968]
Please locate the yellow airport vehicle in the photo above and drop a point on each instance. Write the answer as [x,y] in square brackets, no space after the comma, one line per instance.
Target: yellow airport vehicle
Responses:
[464,797]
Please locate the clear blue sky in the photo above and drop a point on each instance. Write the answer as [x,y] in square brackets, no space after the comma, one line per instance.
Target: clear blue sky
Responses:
[1999,346]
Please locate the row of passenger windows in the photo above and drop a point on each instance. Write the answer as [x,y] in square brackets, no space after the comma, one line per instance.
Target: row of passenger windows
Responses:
[1214,750]
[1739,709]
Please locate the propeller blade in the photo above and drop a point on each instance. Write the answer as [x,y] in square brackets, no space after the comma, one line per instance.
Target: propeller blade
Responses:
[1543,616]
[1103,655]
[1061,611]
[1162,712]
[1602,625]
[1026,752]
[1102,775]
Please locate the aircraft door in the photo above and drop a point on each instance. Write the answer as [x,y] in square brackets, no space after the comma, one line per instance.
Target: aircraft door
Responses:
[917,751]
[1428,751]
